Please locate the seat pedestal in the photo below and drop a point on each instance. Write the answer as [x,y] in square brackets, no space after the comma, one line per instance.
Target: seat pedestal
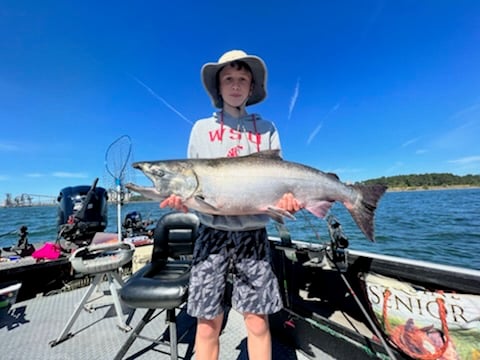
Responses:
[103,261]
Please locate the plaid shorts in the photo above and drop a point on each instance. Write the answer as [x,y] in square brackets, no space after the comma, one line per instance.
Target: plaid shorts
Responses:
[246,254]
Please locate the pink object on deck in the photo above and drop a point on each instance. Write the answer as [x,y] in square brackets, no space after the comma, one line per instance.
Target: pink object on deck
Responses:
[49,251]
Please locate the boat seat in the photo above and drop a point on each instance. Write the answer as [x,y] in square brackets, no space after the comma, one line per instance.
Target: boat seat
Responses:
[162,284]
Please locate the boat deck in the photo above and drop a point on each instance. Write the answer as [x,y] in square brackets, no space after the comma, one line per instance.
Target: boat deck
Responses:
[27,328]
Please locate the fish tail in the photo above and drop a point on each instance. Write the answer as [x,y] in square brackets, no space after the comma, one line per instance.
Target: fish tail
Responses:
[363,210]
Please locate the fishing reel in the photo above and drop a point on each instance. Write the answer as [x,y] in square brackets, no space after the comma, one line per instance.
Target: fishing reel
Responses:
[338,243]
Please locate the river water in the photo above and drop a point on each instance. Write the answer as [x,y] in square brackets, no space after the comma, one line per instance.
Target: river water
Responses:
[440,226]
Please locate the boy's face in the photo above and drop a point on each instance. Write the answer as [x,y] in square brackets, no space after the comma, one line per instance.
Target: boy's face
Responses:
[235,85]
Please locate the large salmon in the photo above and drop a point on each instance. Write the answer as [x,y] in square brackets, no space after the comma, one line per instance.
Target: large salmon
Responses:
[254,184]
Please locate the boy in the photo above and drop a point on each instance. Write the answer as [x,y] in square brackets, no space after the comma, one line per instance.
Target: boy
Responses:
[236,243]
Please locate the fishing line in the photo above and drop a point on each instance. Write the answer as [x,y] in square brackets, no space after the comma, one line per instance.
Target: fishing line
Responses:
[116,159]
[362,308]
[352,292]
[310,224]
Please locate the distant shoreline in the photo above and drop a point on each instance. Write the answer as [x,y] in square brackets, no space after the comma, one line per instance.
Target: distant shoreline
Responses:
[390,189]
[431,188]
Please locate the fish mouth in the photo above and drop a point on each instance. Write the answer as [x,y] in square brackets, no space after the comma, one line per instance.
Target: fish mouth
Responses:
[132,186]
[136,188]
[149,191]
[145,169]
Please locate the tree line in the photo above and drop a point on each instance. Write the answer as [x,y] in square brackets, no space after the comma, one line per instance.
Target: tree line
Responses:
[426,180]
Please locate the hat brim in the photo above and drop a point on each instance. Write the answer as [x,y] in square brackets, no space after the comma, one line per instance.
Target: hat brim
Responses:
[259,77]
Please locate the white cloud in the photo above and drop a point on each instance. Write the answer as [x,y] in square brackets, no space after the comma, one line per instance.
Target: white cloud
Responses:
[464,136]
[347,171]
[466,160]
[410,142]
[35,175]
[63,174]
[7,147]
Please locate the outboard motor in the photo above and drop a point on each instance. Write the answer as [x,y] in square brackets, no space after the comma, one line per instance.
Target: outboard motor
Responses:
[82,212]
[133,220]
[134,225]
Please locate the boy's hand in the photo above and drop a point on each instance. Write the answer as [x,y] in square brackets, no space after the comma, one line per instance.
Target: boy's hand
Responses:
[290,203]
[175,202]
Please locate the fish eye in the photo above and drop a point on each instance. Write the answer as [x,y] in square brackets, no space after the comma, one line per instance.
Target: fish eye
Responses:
[159,172]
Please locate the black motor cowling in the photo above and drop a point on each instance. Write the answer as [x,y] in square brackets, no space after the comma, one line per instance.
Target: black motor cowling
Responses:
[134,225]
[133,220]
[82,212]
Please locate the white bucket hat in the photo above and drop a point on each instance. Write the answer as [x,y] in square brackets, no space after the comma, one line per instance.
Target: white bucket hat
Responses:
[259,76]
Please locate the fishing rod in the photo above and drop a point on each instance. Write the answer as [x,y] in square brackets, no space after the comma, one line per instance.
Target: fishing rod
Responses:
[340,241]
[8,233]
[80,215]
[116,159]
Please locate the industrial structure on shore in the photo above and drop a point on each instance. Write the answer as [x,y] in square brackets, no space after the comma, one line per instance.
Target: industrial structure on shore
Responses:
[28,200]
[25,199]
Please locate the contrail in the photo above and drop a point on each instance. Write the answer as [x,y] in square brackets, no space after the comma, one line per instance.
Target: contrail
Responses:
[158,97]
[467,111]
[317,129]
[314,133]
[293,101]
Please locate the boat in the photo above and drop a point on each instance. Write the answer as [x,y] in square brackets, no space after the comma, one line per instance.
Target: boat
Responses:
[347,302]
[81,221]
[339,304]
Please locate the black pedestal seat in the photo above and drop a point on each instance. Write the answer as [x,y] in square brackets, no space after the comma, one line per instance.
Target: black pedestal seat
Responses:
[162,284]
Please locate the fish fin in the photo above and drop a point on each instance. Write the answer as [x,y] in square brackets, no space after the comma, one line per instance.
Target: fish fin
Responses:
[319,208]
[363,211]
[279,214]
[333,175]
[269,154]
[201,200]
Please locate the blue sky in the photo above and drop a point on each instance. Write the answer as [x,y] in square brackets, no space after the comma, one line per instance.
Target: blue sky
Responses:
[361,88]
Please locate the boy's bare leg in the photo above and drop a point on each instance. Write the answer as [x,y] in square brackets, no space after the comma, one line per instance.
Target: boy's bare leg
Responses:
[259,342]
[207,343]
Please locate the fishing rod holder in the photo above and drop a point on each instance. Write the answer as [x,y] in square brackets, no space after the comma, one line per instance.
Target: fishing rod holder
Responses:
[338,243]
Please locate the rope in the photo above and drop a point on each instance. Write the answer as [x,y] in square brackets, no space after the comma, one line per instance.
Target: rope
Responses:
[402,346]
